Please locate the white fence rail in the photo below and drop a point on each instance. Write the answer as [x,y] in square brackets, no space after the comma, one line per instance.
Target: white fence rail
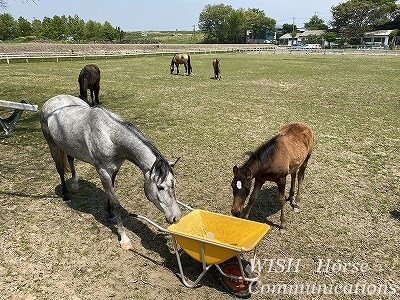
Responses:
[62,56]
[57,56]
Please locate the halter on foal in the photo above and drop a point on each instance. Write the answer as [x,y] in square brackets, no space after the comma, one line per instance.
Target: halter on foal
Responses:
[101,138]
[286,153]
[89,78]
[178,59]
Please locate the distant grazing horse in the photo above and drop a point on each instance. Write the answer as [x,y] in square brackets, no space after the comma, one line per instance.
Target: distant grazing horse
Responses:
[217,68]
[286,153]
[181,58]
[89,78]
[95,135]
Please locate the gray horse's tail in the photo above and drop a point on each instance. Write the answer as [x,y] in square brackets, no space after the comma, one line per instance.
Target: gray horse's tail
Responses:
[189,65]
[64,160]
[171,67]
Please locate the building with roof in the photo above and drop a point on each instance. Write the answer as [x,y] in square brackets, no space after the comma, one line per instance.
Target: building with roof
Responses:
[300,38]
[379,38]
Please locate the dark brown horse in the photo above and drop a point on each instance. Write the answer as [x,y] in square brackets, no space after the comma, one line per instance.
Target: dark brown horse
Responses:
[89,78]
[178,59]
[217,68]
[286,153]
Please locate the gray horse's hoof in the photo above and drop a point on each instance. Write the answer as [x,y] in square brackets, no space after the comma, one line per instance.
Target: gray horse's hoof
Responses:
[68,202]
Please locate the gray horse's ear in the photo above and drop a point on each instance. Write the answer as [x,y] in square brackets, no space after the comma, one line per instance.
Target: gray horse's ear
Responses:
[173,163]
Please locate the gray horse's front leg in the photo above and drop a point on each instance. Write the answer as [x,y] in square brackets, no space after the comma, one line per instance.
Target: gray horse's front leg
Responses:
[115,207]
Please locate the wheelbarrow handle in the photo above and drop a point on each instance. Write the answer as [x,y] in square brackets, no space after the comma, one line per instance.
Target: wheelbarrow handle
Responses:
[185,205]
[149,221]
[155,224]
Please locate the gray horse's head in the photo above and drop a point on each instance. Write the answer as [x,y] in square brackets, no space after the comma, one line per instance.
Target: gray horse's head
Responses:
[159,188]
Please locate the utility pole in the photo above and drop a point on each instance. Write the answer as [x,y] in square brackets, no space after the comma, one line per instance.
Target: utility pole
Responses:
[293,32]
[194,34]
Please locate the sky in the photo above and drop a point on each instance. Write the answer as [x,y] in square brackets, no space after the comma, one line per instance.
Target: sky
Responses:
[133,15]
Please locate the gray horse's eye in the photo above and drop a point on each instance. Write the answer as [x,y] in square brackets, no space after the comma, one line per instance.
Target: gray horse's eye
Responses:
[160,188]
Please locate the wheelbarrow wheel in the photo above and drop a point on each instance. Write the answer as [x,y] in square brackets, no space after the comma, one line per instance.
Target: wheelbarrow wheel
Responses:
[240,288]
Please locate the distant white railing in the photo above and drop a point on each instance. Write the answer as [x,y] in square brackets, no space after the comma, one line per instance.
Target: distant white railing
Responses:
[58,56]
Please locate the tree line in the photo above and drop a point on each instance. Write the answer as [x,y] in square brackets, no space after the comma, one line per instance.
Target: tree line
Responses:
[57,28]
[350,19]
[218,23]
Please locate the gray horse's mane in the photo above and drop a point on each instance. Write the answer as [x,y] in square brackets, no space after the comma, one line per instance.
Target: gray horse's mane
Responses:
[132,128]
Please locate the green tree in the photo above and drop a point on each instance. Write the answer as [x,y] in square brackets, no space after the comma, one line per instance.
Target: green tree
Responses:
[54,28]
[76,28]
[289,28]
[258,22]
[355,17]
[313,39]
[37,27]
[330,37]
[222,24]
[236,32]
[315,23]
[109,33]
[212,22]
[93,30]
[60,27]
[24,27]
[8,27]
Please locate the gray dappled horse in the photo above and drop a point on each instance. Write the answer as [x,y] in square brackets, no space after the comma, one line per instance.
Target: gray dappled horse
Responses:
[95,135]
[178,59]
[89,78]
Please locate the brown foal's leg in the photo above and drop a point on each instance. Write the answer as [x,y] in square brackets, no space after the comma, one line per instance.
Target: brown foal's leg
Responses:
[281,200]
[257,187]
[292,187]
[300,178]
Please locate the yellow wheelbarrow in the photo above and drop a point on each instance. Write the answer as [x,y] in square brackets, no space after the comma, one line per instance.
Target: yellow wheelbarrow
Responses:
[215,240]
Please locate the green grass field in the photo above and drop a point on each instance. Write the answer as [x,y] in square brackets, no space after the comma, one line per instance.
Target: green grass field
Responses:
[351,196]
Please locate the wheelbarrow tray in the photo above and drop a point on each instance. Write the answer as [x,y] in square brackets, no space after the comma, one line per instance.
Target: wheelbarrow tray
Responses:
[214,238]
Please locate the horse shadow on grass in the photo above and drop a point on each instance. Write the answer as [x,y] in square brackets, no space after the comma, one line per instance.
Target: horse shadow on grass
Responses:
[90,199]
[265,206]
[395,214]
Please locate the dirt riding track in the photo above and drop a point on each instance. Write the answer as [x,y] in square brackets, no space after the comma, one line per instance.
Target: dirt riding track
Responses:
[96,48]
[346,235]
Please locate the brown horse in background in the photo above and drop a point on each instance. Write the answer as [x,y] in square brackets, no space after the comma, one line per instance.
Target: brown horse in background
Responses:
[179,59]
[89,78]
[286,153]
[217,68]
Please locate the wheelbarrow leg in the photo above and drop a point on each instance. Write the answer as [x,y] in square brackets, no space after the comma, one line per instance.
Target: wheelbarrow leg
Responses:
[9,123]
[178,258]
